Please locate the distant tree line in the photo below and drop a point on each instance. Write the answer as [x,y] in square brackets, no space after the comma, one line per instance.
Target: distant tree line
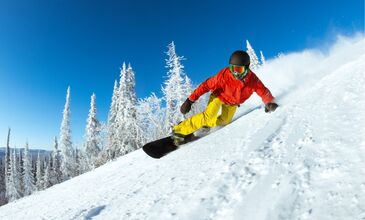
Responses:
[130,124]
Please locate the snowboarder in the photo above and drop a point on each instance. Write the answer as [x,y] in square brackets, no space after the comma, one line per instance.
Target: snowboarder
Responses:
[229,88]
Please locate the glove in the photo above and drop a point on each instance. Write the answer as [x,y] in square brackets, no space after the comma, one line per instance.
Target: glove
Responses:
[186,106]
[270,107]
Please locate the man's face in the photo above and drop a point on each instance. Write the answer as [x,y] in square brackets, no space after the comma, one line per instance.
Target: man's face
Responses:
[238,71]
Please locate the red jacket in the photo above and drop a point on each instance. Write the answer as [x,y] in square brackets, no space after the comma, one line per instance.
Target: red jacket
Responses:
[233,91]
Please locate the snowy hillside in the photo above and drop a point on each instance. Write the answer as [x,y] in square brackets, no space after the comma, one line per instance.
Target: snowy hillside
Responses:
[304,161]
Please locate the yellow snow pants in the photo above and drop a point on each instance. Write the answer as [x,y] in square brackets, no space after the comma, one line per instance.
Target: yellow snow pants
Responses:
[208,118]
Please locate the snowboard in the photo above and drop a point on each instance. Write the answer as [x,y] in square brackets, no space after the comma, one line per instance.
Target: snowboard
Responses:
[159,148]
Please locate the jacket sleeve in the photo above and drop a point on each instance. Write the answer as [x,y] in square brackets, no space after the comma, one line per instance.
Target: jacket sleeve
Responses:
[210,84]
[261,90]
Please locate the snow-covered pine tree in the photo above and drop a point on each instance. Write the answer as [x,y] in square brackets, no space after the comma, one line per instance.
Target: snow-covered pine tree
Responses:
[39,174]
[112,141]
[18,172]
[150,117]
[120,131]
[56,174]
[132,140]
[78,170]
[7,159]
[27,175]
[103,155]
[255,63]
[92,135]
[7,153]
[82,162]
[263,60]
[174,89]
[2,182]
[34,167]
[47,174]
[12,192]
[19,167]
[67,151]
[127,131]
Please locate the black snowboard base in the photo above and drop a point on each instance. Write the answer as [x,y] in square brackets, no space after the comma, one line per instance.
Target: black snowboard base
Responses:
[161,147]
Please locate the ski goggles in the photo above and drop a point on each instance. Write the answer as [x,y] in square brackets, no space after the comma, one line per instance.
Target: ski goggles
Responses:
[238,71]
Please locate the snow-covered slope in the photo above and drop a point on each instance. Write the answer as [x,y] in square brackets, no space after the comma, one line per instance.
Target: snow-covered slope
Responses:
[304,161]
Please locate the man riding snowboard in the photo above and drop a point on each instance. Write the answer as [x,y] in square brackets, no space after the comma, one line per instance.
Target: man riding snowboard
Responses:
[229,88]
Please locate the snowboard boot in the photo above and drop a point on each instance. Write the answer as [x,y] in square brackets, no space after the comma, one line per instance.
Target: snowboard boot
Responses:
[202,131]
[205,129]
[180,139]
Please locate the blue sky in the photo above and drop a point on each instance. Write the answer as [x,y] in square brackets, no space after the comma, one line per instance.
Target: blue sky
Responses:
[47,45]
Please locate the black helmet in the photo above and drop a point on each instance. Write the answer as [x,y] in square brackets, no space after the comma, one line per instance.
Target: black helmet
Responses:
[239,58]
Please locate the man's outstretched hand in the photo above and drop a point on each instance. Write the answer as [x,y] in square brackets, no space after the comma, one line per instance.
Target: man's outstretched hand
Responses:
[270,107]
[186,106]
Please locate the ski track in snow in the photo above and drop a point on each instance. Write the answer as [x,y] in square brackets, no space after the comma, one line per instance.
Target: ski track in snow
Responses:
[304,161]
